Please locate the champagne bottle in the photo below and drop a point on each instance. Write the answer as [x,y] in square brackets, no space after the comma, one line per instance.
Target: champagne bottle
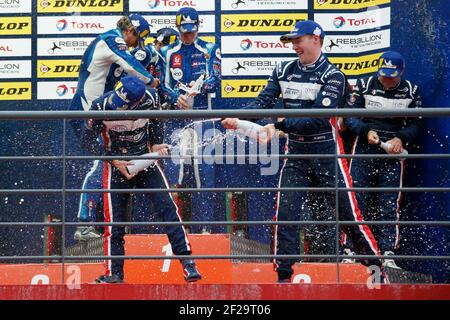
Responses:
[250,129]
[388,148]
[138,165]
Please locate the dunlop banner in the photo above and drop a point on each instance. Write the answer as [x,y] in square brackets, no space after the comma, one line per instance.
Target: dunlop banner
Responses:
[58,68]
[246,88]
[70,6]
[260,22]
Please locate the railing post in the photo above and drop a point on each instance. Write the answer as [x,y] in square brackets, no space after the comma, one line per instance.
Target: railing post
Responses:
[336,185]
[63,192]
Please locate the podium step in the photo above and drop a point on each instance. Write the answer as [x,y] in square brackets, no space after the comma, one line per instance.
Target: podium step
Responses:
[214,271]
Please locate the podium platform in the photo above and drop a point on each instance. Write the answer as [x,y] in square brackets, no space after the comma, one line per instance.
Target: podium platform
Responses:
[222,271]
[169,271]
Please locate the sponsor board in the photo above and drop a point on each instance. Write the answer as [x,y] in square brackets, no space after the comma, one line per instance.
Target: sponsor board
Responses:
[359,21]
[56,90]
[58,68]
[15,47]
[15,6]
[62,46]
[15,90]
[260,22]
[357,43]
[254,66]
[248,88]
[15,25]
[254,44]
[207,22]
[211,39]
[354,66]
[10,69]
[71,6]
[347,4]
[170,5]
[76,24]
[264,4]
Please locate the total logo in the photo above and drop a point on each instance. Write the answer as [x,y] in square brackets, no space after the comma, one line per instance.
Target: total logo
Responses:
[153,3]
[61,24]
[5,49]
[246,44]
[61,90]
[340,21]
[171,3]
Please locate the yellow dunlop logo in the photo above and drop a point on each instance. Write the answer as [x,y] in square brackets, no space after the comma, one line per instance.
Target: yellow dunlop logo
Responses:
[15,90]
[245,88]
[212,39]
[260,22]
[58,68]
[45,6]
[15,25]
[347,4]
[354,66]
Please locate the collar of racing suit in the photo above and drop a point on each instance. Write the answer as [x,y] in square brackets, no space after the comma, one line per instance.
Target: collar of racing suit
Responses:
[312,66]
[188,44]
[390,89]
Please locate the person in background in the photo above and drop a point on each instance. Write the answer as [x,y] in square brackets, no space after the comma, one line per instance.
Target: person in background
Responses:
[192,62]
[150,56]
[387,89]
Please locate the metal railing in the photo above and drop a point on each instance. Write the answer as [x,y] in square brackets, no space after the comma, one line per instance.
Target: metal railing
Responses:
[193,114]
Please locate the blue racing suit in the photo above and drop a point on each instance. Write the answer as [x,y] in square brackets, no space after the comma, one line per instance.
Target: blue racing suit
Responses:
[316,86]
[185,63]
[132,137]
[102,64]
[378,172]
[91,204]
[107,49]
[156,62]
[153,61]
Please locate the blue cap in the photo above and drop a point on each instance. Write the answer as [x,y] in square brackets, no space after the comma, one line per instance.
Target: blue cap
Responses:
[187,20]
[143,55]
[303,28]
[142,27]
[392,64]
[167,36]
[128,91]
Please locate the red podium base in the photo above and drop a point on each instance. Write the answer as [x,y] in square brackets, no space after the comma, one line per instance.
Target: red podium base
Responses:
[169,271]
[222,279]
